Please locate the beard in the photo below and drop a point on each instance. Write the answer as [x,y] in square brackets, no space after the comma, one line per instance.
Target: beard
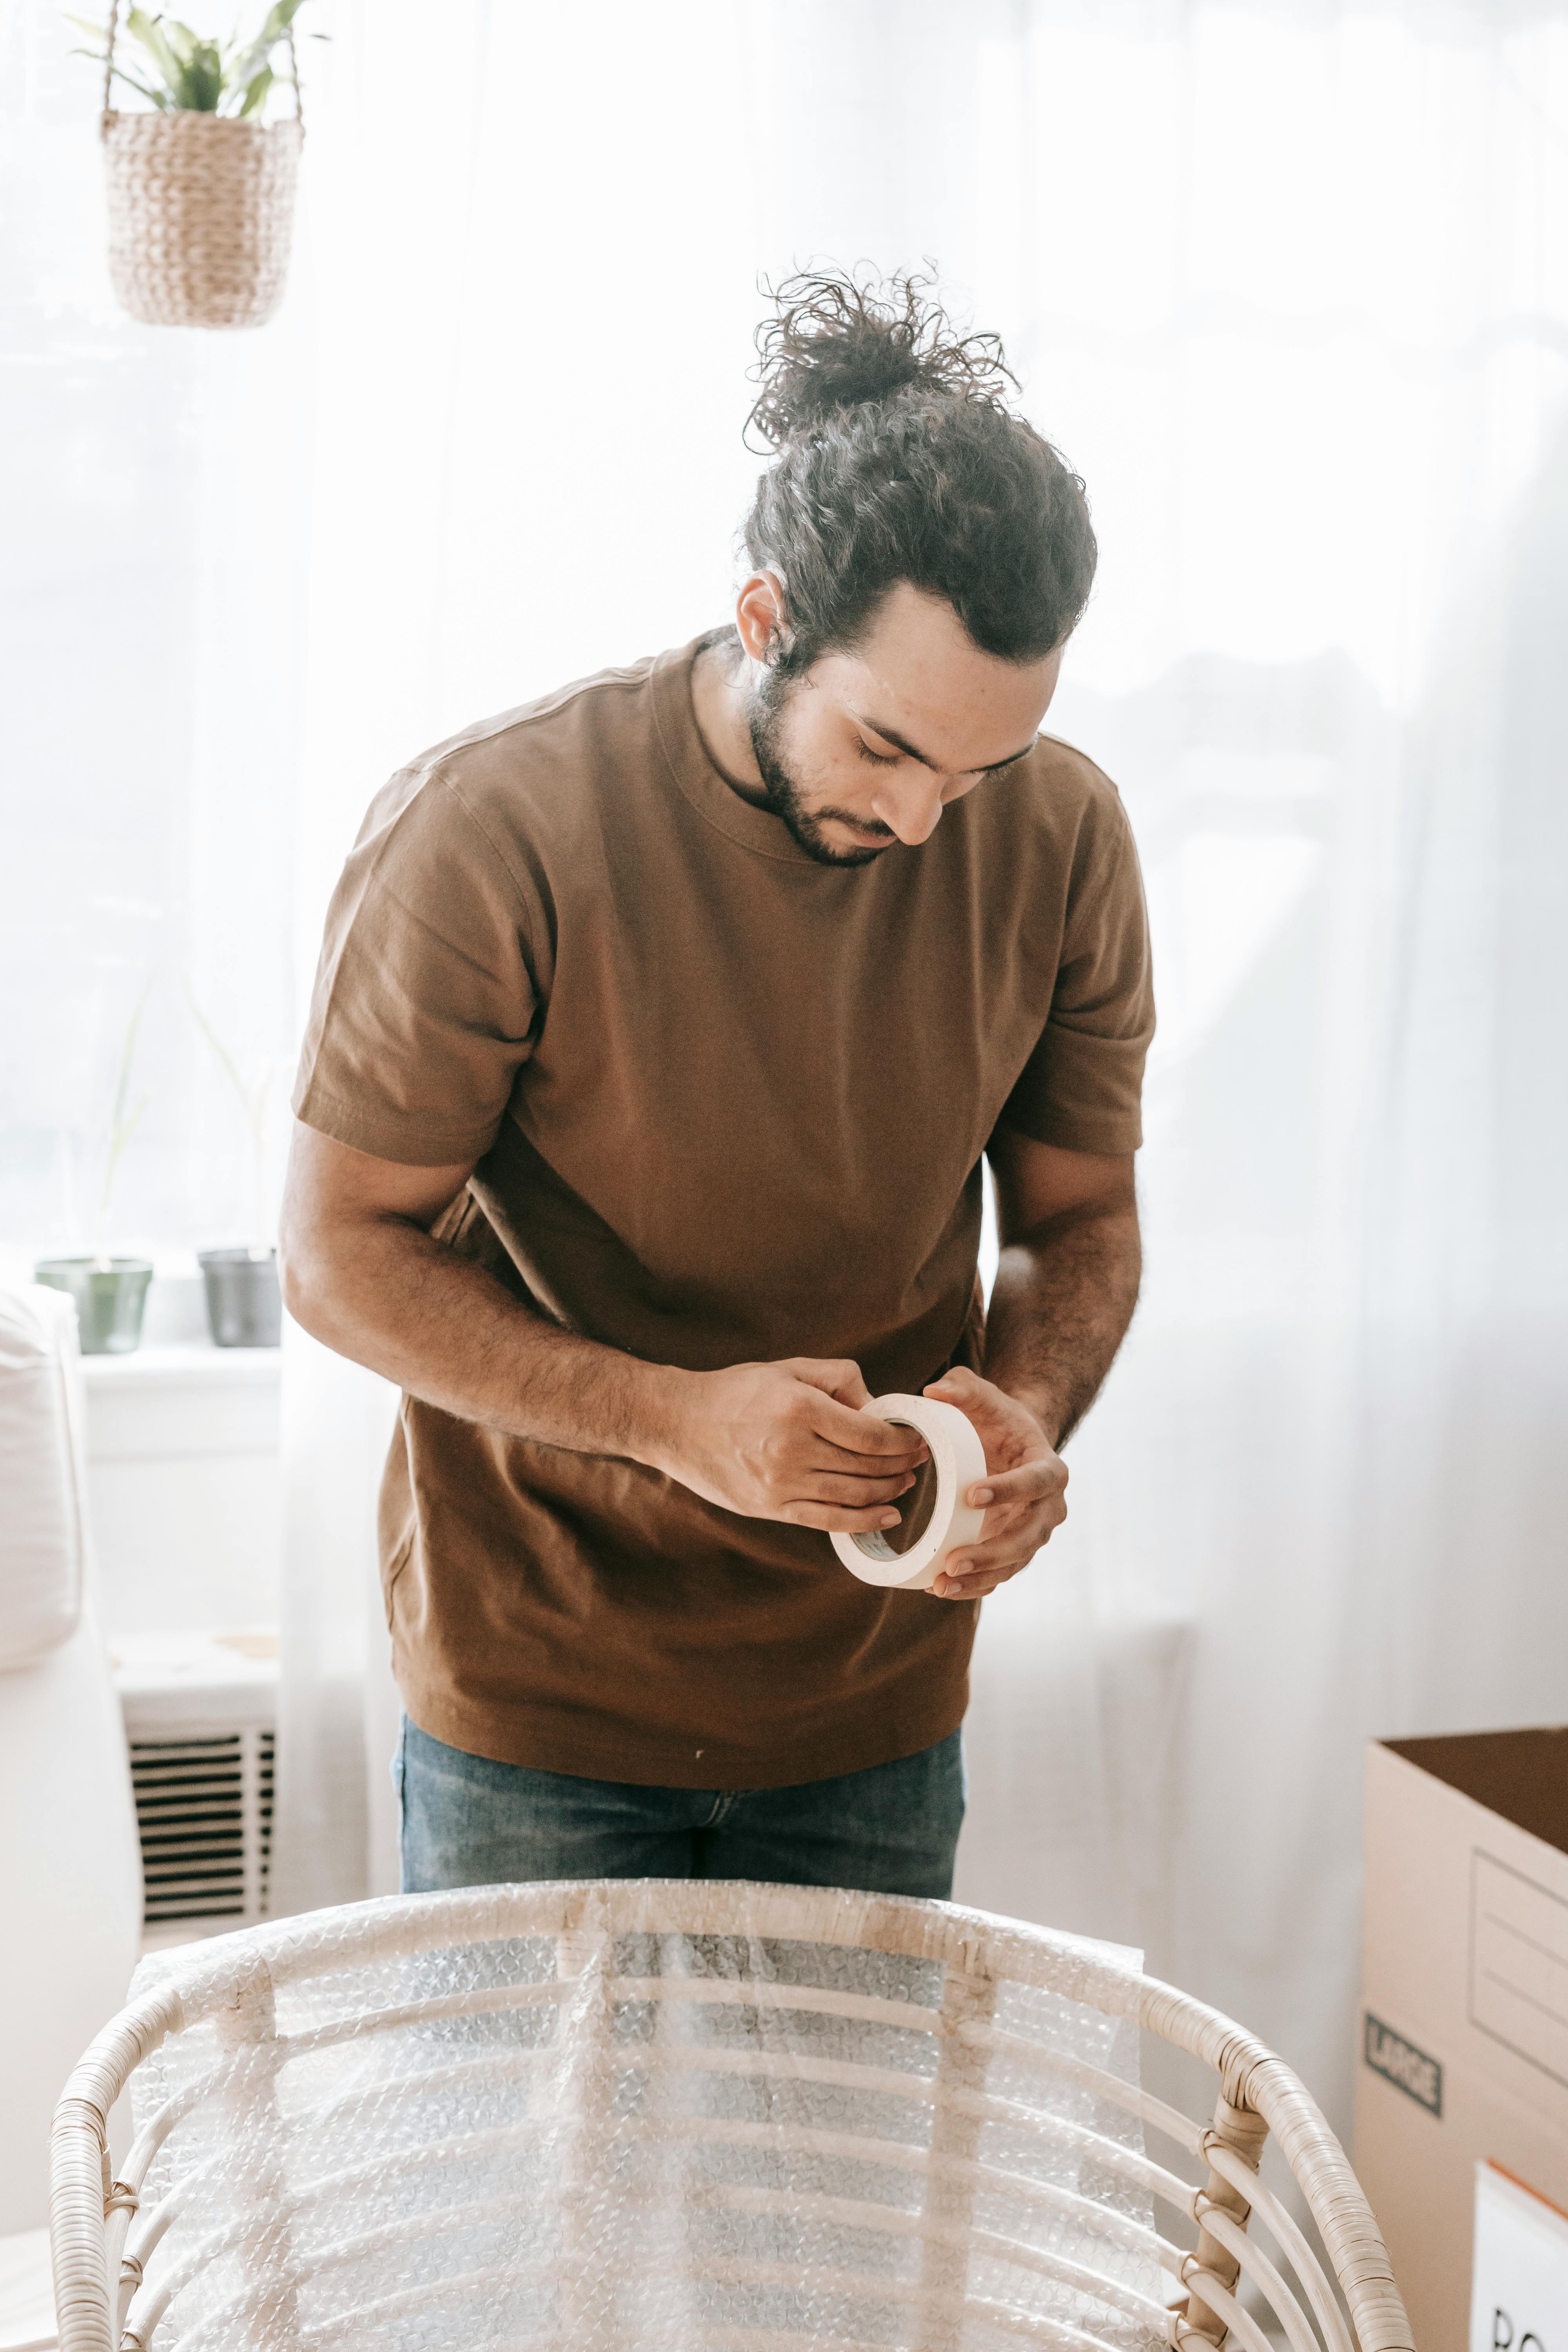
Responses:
[786,796]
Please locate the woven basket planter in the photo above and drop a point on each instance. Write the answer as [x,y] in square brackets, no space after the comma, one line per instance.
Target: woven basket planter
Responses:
[200,211]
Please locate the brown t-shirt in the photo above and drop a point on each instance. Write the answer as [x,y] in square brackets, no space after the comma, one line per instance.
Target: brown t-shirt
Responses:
[726,1104]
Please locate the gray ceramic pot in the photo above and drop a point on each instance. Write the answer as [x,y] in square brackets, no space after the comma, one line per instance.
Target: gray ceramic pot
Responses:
[109,1294]
[245,1308]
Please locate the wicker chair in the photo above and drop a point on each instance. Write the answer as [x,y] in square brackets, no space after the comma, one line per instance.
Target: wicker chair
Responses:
[656,2113]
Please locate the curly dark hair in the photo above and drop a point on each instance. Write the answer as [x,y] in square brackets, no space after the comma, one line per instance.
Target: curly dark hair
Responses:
[897,458]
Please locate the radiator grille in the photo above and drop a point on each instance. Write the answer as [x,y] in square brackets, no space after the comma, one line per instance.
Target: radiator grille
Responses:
[204,1809]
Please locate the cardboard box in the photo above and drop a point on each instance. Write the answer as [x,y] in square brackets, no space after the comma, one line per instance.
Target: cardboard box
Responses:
[1463,2034]
[1519,2293]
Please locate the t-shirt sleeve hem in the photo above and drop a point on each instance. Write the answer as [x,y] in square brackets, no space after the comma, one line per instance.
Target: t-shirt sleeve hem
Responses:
[1107,1133]
[410,1142]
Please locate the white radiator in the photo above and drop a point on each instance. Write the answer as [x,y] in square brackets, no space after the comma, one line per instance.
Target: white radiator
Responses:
[200,1722]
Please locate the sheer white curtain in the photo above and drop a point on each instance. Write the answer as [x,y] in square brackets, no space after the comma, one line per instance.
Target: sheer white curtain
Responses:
[534,297]
[1292,286]
[1289,285]
[152,512]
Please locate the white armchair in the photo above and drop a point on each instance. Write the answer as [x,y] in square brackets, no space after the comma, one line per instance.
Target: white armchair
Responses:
[70,1879]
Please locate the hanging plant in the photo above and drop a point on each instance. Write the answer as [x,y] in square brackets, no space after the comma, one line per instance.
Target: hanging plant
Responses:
[201,191]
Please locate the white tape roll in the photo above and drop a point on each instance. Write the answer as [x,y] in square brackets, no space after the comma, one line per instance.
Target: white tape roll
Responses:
[959,1460]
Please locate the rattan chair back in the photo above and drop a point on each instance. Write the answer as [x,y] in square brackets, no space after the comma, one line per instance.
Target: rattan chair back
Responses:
[646,2113]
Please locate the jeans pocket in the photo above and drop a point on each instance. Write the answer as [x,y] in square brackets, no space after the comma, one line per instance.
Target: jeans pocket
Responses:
[397,1769]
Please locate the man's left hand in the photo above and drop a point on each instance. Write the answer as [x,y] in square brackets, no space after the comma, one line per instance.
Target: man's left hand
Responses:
[1022,1492]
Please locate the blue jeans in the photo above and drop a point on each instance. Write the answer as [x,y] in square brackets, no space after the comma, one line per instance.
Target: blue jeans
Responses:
[468,1822]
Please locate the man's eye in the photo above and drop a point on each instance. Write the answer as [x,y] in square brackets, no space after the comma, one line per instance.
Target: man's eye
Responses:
[880,759]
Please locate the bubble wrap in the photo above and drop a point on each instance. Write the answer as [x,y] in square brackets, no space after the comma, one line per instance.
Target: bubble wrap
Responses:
[640,2136]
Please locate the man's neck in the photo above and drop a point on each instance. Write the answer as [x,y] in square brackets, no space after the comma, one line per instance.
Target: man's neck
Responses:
[718,707]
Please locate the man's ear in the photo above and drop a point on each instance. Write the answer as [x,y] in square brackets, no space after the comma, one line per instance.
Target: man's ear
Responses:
[762,616]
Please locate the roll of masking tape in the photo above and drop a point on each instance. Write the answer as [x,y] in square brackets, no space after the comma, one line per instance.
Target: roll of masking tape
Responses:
[958,1461]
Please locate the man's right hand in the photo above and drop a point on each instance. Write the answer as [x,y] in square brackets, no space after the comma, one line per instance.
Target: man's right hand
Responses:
[790,1442]
[770,1440]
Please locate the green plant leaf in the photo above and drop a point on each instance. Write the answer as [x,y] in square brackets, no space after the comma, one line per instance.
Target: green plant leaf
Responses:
[244,66]
[127,1051]
[230,1067]
[202,80]
[252,1100]
[122,1122]
[149,32]
[180,37]
[191,73]
[256,91]
[159,98]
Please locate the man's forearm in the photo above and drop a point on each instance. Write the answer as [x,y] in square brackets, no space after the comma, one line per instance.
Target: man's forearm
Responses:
[448,1333]
[1063,1298]
[787,1441]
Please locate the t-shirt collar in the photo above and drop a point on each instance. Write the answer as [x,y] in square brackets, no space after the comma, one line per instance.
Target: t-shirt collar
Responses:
[694,772]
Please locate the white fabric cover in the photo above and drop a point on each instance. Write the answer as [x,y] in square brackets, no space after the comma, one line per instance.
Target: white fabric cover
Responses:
[70,1892]
[42,1476]
[70,1867]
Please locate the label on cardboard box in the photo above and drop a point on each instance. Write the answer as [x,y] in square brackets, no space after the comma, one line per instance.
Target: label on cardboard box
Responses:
[1518,2290]
[1399,2061]
[1519,1964]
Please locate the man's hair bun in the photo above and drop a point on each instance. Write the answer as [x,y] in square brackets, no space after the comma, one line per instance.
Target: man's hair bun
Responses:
[896,457]
[839,339]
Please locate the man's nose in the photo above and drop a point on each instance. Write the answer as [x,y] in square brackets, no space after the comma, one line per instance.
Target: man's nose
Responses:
[910,807]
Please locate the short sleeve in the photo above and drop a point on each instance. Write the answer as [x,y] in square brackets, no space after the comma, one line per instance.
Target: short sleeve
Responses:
[425,1005]
[1082,1086]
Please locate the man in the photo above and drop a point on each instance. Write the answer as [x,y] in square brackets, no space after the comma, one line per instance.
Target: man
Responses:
[662,1029]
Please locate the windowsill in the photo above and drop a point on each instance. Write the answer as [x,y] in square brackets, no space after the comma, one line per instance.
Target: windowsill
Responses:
[188,1361]
[191,1676]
